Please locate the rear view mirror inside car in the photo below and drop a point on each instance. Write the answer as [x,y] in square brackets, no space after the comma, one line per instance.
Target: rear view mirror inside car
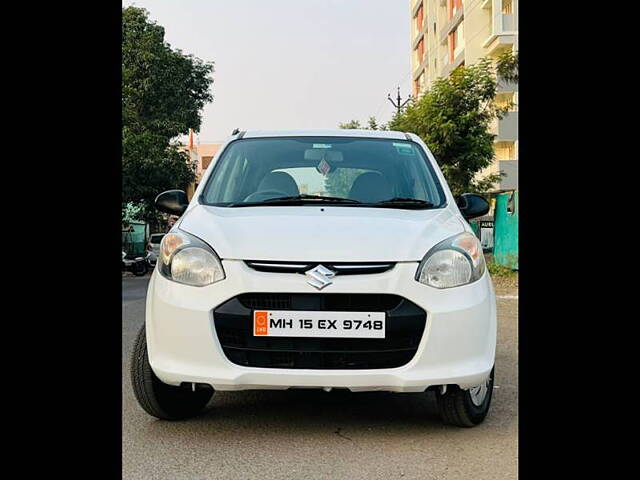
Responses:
[316,154]
[313,155]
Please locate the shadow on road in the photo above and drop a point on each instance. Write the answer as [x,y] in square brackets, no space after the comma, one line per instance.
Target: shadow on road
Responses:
[312,411]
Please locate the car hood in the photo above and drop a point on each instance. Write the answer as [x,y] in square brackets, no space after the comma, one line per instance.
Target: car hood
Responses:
[320,233]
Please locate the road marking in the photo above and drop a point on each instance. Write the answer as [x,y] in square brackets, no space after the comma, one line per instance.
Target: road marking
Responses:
[508,297]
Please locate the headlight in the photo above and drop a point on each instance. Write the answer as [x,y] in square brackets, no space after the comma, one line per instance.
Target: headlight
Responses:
[187,259]
[453,262]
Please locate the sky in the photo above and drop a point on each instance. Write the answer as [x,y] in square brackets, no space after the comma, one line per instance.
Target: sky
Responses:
[288,64]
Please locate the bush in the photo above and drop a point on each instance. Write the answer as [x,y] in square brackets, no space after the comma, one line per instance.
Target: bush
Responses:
[500,270]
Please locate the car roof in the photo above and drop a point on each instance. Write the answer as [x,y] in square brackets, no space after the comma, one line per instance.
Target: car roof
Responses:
[327,133]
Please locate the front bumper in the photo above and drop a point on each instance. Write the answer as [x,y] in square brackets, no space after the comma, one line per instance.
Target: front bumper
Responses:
[457,347]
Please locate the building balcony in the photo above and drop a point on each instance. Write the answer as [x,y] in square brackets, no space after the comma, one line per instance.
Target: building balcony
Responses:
[451,25]
[504,86]
[507,130]
[503,34]
[415,7]
[419,77]
[449,67]
[419,36]
[420,66]
[508,22]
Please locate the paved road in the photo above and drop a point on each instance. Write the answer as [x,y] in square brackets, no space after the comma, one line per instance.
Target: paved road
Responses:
[313,434]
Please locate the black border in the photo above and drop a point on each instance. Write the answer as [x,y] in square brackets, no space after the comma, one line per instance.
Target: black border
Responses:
[65,221]
[563,138]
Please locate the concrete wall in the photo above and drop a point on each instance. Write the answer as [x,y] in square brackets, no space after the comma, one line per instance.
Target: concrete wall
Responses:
[508,127]
[510,170]
[477,28]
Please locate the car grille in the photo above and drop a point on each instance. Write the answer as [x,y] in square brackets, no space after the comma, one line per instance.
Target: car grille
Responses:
[340,268]
[405,324]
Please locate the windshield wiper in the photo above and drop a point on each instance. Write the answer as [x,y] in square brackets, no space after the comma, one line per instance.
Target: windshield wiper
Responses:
[304,196]
[297,200]
[401,202]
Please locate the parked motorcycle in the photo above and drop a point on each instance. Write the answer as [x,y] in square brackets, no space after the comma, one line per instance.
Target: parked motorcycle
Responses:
[139,266]
[151,260]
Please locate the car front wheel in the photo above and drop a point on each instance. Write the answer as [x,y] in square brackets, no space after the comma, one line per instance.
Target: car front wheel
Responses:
[158,399]
[466,408]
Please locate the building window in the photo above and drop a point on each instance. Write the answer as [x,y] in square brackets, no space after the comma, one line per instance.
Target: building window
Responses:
[454,7]
[420,51]
[416,88]
[452,46]
[507,7]
[419,19]
[458,39]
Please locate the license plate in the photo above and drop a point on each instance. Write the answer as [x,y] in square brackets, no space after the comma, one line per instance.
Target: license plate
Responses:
[289,323]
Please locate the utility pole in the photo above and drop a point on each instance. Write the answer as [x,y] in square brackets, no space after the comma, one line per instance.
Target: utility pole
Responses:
[399,104]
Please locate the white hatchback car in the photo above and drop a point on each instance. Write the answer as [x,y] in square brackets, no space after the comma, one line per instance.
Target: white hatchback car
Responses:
[331,259]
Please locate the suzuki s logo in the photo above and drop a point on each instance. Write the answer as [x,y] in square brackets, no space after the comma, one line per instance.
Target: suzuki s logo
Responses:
[320,277]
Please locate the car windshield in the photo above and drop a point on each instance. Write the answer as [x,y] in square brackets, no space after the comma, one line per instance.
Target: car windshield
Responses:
[156,238]
[311,170]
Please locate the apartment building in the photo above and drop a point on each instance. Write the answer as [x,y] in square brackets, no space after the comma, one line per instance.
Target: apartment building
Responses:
[201,154]
[446,34]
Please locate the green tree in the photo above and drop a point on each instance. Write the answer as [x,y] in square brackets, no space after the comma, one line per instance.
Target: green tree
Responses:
[350,125]
[507,66]
[372,124]
[163,94]
[454,118]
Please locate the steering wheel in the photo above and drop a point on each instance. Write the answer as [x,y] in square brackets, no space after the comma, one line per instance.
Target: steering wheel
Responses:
[265,195]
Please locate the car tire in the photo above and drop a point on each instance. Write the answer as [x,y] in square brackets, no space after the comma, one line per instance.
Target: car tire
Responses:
[140,269]
[465,408]
[158,399]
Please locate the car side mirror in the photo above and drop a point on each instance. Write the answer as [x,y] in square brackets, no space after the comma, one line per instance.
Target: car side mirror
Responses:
[174,202]
[472,205]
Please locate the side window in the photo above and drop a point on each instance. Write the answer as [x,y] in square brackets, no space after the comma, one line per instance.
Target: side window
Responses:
[410,181]
[423,186]
[234,171]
